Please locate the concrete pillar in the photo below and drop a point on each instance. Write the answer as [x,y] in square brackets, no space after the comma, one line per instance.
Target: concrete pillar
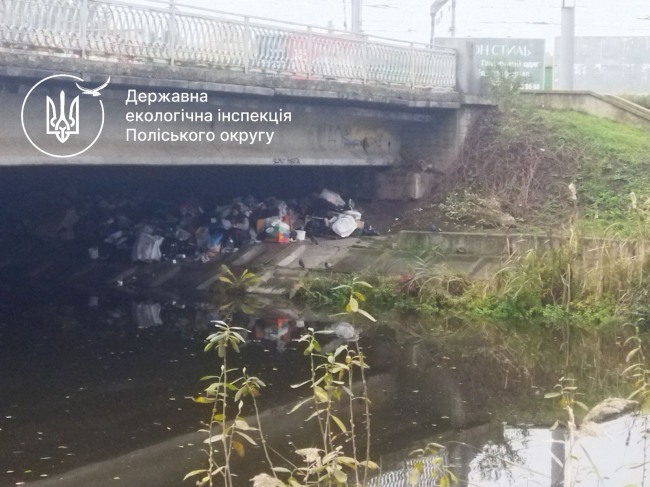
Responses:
[402,184]
[567,45]
[357,17]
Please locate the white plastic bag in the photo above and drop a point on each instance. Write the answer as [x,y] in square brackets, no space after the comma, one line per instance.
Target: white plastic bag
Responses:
[147,315]
[355,214]
[332,197]
[147,248]
[344,226]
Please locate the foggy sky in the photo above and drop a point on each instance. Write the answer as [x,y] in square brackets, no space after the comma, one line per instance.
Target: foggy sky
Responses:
[410,20]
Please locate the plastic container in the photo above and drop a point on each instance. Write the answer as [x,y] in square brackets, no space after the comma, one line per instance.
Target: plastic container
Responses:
[300,235]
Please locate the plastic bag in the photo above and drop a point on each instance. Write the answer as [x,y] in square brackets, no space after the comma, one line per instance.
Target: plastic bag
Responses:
[202,235]
[147,248]
[344,226]
[147,315]
[355,214]
[332,197]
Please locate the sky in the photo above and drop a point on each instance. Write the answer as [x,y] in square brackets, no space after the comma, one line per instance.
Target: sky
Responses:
[410,19]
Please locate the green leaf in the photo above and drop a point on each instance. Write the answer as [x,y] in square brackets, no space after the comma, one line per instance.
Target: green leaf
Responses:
[208,347]
[247,438]
[242,425]
[555,425]
[371,465]
[299,405]
[281,470]
[582,405]
[193,473]
[630,368]
[632,354]
[340,476]
[214,439]
[340,424]
[354,304]
[295,386]
[225,279]
[363,283]
[320,394]
[550,395]
[204,400]
[366,314]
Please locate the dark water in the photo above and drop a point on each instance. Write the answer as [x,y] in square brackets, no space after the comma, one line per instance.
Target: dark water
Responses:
[95,390]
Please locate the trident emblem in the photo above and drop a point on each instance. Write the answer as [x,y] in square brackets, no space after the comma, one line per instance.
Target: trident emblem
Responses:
[62,127]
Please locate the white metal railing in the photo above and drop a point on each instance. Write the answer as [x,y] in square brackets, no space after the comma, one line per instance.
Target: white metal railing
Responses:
[157,31]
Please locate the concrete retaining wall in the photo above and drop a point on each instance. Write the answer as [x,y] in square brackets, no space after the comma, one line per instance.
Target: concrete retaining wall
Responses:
[504,245]
[591,103]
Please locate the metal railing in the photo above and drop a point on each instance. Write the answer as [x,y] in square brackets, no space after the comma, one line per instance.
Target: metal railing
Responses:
[168,32]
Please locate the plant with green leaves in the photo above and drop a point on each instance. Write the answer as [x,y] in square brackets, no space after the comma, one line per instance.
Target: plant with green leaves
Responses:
[566,390]
[237,284]
[638,369]
[332,377]
[435,455]
[355,297]
[328,384]
[218,394]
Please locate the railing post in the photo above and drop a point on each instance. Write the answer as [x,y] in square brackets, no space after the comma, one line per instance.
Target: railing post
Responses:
[412,57]
[365,58]
[172,32]
[247,43]
[310,51]
[83,23]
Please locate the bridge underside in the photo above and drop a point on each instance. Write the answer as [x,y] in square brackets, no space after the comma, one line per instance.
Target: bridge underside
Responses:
[332,123]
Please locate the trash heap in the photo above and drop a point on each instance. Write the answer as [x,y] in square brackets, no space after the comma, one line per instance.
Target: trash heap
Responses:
[172,232]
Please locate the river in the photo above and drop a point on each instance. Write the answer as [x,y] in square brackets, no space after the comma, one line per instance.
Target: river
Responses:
[97,390]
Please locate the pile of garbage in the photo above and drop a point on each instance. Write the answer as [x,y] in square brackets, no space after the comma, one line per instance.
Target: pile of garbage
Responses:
[172,232]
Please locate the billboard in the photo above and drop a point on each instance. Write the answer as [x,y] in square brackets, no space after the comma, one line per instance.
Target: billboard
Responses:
[526,56]
[610,65]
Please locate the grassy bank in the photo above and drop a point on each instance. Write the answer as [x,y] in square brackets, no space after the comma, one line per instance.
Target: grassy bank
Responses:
[518,164]
[553,287]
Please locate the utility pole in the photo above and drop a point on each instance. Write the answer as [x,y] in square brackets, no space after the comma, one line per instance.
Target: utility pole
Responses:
[567,45]
[452,30]
[356,17]
[436,7]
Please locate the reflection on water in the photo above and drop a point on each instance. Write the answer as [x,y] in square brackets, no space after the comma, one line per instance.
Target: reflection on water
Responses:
[90,378]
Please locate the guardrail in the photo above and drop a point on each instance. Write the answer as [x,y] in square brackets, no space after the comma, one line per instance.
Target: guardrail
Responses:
[177,34]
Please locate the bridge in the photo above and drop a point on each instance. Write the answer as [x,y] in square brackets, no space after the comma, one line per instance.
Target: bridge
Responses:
[354,100]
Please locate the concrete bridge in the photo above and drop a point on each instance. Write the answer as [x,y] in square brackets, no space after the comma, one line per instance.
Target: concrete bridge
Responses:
[352,100]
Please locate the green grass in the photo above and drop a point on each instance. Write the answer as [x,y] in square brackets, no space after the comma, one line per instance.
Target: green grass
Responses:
[615,163]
